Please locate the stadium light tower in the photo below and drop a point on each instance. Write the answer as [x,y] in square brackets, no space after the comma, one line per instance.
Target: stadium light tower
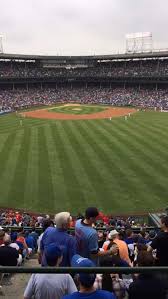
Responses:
[139,42]
[1,45]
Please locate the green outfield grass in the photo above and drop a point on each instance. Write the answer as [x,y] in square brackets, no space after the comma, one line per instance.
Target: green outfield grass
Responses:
[118,166]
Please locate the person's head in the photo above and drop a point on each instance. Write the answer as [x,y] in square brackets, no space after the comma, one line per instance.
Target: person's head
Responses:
[164,223]
[152,234]
[141,247]
[33,229]
[26,233]
[86,280]
[115,248]
[145,259]
[143,233]
[47,223]
[107,284]
[112,222]
[63,220]
[113,235]
[53,255]
[129,233]
[21,234]
[6,239]
[14,236]
[100,235]
[91,214]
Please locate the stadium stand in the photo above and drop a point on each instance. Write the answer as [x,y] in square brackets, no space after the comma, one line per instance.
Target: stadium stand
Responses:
[131,80]
[143,249]
[138,80]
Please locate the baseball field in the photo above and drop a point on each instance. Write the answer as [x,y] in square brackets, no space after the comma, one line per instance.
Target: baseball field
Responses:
[49,164]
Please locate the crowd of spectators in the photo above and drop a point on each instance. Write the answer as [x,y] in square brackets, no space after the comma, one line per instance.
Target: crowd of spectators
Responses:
[116,246]
[12,100]
[138,68]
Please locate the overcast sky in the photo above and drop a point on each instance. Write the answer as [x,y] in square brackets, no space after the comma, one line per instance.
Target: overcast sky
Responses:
[76,27]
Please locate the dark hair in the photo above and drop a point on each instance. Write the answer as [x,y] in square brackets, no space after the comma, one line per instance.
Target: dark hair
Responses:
[141,247]
[51,261]
[145,259]
[110,245]
[107,283]
[47,223]
[164,220]
[91,212]
[143,233]
[87,279]
[128,232]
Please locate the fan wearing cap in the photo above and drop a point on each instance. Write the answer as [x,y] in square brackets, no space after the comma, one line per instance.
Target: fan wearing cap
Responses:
[49,286]
[86,282]
[60,237]
[87,237]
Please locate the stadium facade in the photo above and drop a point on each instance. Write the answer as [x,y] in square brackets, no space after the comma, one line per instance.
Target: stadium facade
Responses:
[18,70]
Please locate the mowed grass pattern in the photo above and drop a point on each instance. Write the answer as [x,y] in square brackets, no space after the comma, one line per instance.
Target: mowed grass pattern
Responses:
[50,166]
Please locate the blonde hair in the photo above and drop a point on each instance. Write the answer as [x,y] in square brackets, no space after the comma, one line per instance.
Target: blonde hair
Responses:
[62,219]
[7,239]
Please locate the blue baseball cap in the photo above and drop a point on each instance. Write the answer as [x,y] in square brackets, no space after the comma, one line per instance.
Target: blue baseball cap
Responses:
[52,251]
[86,279]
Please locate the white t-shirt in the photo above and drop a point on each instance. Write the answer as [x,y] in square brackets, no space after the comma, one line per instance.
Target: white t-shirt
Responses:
[14,245]
[49,286]
[39,241]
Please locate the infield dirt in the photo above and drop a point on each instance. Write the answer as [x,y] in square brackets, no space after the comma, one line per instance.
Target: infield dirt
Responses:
[108,113]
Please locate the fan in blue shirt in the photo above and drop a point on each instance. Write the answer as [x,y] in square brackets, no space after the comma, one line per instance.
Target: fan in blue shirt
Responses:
[60,237]
[86,281]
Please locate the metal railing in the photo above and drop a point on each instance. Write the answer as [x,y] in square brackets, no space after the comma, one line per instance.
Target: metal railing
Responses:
[39,229]
[119,270]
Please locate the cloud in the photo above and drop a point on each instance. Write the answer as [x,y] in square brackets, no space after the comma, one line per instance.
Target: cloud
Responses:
[75,27]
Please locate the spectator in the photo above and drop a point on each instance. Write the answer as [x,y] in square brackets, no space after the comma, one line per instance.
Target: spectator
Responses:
[86,282]
[35,236]
[110,282]
[152,236]
[30,242]
[50,286]
[115,258]
[123,249]
[22,245]
[46,223]
[87,237]
[129,236]
[160,243]
[8,255]
[13,244]
[60,237]
[147,285]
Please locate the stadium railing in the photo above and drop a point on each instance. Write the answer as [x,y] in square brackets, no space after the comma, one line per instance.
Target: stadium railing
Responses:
[39,229]
[119,270]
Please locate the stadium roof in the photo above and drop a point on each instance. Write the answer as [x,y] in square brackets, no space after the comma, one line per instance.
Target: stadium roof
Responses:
[155,54]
